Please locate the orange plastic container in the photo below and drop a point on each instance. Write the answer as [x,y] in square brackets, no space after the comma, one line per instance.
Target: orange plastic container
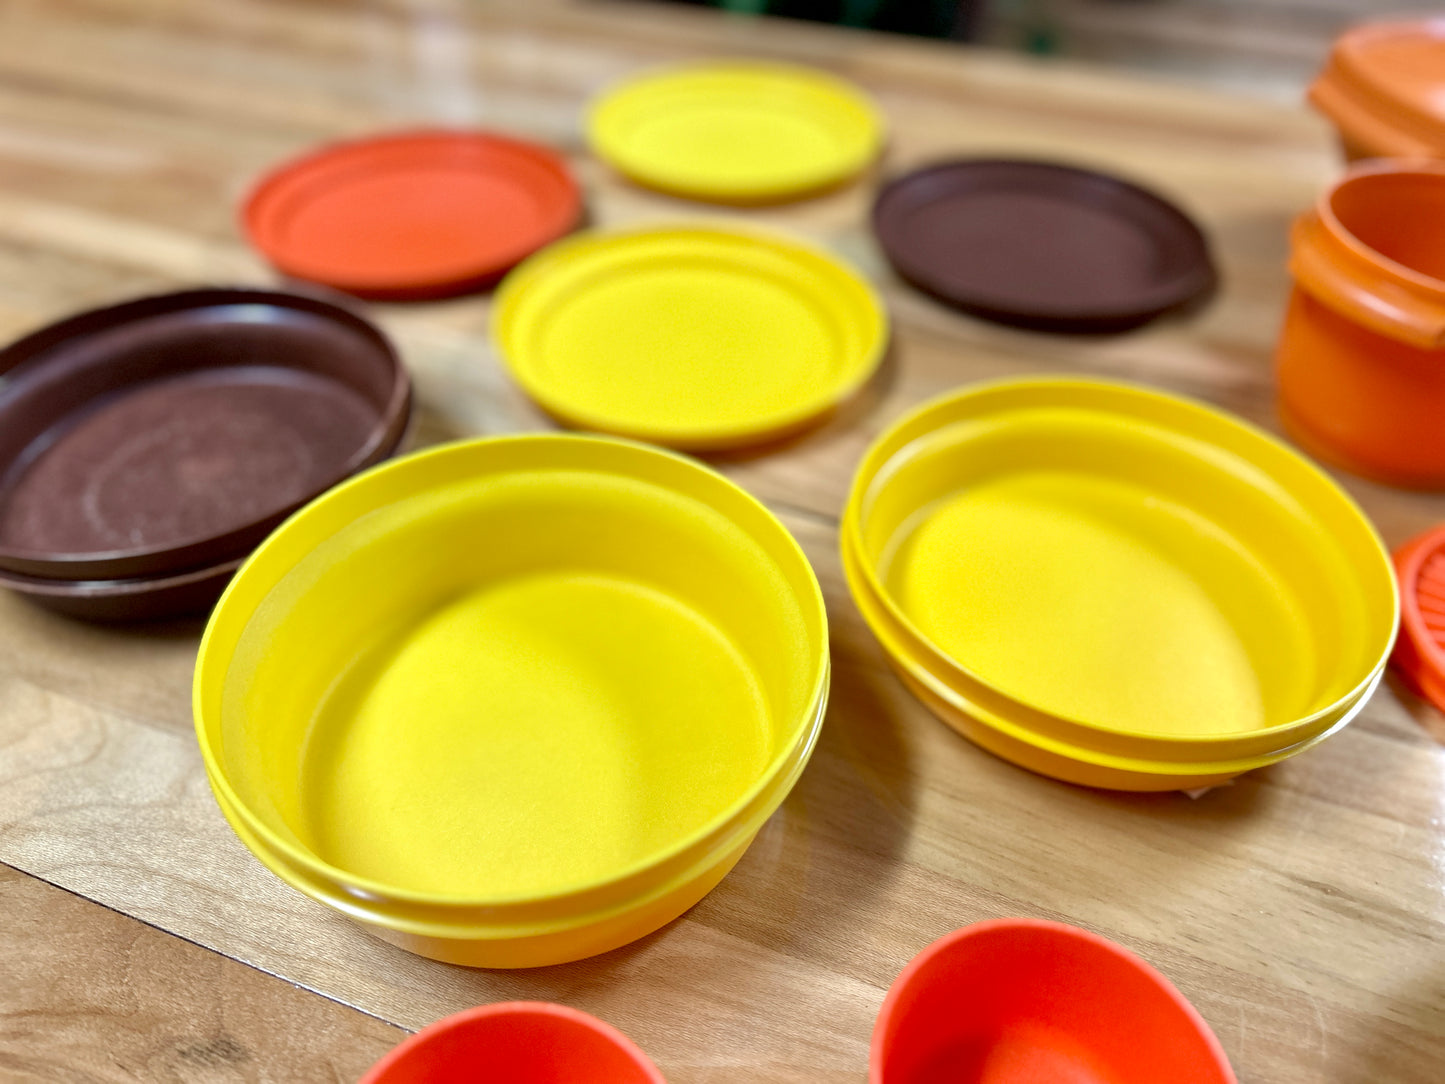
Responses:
[1383,88]
[516,1042]
[1022,1001]
[1361,357]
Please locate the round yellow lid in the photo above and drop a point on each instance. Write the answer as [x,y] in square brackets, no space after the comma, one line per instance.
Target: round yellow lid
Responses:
[696,337]
[736,131]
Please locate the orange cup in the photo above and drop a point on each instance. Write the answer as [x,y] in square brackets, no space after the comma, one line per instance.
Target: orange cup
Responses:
[1019,1000]
[1383,88]
[1361,356]
[516,1042]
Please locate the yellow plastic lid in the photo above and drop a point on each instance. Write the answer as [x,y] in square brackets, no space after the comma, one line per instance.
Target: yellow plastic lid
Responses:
[696,337]
[736,131]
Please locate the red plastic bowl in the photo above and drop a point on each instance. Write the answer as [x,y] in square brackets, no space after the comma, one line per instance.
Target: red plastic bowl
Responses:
[516,1042]
[1021,1001]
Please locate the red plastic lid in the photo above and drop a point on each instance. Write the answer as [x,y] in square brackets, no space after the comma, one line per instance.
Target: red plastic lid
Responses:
[1420,648]
[411,215]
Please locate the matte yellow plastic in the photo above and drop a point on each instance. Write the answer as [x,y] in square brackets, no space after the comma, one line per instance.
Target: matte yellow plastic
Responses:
[736,131]
[1119,571]
[695,337]
[514,701]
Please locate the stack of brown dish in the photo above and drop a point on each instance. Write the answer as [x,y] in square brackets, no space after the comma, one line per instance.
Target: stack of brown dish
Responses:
[146,448]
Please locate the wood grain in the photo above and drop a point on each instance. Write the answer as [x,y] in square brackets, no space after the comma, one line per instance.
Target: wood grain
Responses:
[89,995]
[1302,908]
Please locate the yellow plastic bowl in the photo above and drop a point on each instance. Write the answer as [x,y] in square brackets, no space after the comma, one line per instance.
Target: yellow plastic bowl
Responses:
[517,701]
[1118,575]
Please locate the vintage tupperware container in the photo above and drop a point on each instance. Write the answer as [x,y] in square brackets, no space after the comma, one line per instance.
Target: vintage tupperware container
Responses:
[736,131]
[1361,355]
[1114,586]
[515,701]
[1024,1001]
[1383,88]
[516,1042]
[696,336]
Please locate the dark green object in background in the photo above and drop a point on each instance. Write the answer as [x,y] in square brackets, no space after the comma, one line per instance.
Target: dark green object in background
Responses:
[925,18]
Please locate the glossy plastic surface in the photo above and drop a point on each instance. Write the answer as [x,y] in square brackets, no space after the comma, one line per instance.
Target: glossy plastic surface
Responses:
[1383,87]
[1042,245]
[144,598]
[1361,355]
[1117,575]
[412,214]
[1084,755]
[516,1042]
[516,701]
[695,337]
[736,131]
[1420,650]
[1024,1001]
[172,433]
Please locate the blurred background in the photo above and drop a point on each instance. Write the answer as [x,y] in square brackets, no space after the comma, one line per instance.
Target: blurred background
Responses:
[1270,47]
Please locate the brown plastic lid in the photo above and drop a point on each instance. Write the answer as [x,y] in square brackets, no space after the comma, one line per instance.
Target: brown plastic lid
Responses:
[1384,88]
[1041,245]
[150,598]
[173,433]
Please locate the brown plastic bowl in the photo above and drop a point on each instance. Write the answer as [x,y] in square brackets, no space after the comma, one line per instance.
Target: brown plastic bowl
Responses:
[150,598]
[172,433]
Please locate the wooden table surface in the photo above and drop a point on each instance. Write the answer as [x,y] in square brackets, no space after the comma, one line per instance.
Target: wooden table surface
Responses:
[1302,908]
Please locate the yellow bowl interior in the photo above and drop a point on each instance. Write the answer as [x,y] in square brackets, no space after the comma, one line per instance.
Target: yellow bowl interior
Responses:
[511,668]
[1126,559]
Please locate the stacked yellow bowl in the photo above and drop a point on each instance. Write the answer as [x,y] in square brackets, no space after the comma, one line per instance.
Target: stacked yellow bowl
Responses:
[1114,586]
[514,701]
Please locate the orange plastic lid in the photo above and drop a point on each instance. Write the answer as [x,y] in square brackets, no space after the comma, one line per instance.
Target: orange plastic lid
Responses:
[1420,649]
[414,214]
[1384,87]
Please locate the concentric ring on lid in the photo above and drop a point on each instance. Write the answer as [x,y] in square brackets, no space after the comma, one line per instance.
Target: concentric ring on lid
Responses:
[412,214]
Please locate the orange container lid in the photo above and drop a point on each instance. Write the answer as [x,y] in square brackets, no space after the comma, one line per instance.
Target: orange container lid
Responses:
[1420,649]
[1384,87]
[412,214]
